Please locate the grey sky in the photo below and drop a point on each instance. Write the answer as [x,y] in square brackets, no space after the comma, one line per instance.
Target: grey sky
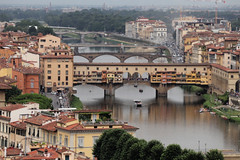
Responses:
[116,2]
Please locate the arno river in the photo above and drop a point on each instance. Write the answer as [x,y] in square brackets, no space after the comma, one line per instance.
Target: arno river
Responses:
[173,119]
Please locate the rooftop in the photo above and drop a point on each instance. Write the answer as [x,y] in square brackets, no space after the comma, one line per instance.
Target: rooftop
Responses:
[12,107]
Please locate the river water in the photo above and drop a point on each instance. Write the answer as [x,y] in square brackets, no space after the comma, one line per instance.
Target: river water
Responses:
[174,119]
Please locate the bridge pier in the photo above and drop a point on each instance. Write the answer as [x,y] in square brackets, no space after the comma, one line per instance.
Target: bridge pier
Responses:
[162,90]
[109,91]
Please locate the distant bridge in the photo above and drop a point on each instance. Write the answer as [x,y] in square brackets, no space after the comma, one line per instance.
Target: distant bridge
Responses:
[150,57]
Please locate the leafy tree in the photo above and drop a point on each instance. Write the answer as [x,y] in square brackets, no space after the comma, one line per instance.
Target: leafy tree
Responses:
[136,150]
[190,155]
[43,101]
[32,30]
[172,151]
[153,150]
[120,143]
[106,146]
[214,154]
[125,150]
[11,93]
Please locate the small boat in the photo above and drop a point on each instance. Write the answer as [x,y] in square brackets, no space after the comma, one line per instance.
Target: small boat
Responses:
[135,85]
[224,117]
[201,110]
[140,90]
[138,103]
[212,113]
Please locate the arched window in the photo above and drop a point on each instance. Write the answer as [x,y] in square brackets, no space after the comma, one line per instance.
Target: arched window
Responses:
[32,83]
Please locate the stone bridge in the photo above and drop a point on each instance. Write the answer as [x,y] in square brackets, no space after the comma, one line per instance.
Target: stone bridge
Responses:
[150,57]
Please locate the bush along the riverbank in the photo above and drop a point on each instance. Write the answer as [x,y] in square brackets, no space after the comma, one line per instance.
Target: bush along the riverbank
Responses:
[218,104]
[194,89]
[76,103]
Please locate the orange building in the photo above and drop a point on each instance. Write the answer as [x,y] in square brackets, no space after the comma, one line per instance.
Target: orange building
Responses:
[27,77]
[6,53]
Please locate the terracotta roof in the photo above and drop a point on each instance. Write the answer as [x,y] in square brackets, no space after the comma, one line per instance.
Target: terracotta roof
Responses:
[13,151]
[5,118]
[38,120]
[12,107]
[65,119]
[34,52]
[50,126]
[92,111]
[19,125]
[57,57]
[80,127]
[4,86]
[224,68]
[7,80]
[28,70]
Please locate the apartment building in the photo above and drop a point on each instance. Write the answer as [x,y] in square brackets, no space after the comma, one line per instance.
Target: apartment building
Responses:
[145,28]
[57,72]
[48,41]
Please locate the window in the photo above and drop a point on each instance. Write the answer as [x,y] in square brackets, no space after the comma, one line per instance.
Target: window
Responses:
[60,139]
[66,78]
[80,141]
[38,133]
[66,66]
[232,76]
[49,71]
[59,72]
[165,69]
[107,68]
[175,69]
[59,66]
[136,69]
[33,132]
[97,68]
[155,69]
[185,69]
[66,72]
[49,77]
[66,141]
[62,83]
[66,83]
[49,66]
[126,69]
[117,68]
[145,69]
[32,83]
[29,131]
[87,68]
[59,78]
[54,139]
[41,46]
[95,138]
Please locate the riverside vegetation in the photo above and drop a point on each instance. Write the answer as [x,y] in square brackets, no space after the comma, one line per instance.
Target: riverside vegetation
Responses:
[118,144]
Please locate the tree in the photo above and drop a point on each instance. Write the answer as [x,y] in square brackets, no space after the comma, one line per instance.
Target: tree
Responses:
[11,93]
[32,30]
[153,150]
[127,145]
[136,150]
[172,151]
[44,102]
[121,142]
[106,146]
[214,154]
[190,155]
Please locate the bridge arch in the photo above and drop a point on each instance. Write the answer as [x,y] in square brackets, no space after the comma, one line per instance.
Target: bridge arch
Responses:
[136,76]
[145,76]
[237,86]
[160,60]
[140,59]
[106,59]
[79,59]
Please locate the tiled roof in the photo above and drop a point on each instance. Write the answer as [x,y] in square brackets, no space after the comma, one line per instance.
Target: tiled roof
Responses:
[65,119]
[13,151]
[57,57]
[7,80]
[92,111]
[224,68]
[5,118]
[19,125]
[12,107]
[28,70]
[4,86]
[50,126]
[38,120]
[80,127]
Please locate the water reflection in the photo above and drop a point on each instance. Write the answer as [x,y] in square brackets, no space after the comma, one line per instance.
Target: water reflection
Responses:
[175,119]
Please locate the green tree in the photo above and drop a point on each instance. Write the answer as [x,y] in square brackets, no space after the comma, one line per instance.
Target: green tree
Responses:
[190,155]
[172,151]
[127,145]
[44,102]
[32,30]
[106,146]
[11,93]
[214,154]
[120,143]
[136,150]
[153,150]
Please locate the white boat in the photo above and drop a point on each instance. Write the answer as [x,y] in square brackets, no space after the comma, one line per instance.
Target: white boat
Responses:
[138,103]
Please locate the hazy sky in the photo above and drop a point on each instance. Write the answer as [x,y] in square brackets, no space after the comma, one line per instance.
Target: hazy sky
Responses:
[116,2]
